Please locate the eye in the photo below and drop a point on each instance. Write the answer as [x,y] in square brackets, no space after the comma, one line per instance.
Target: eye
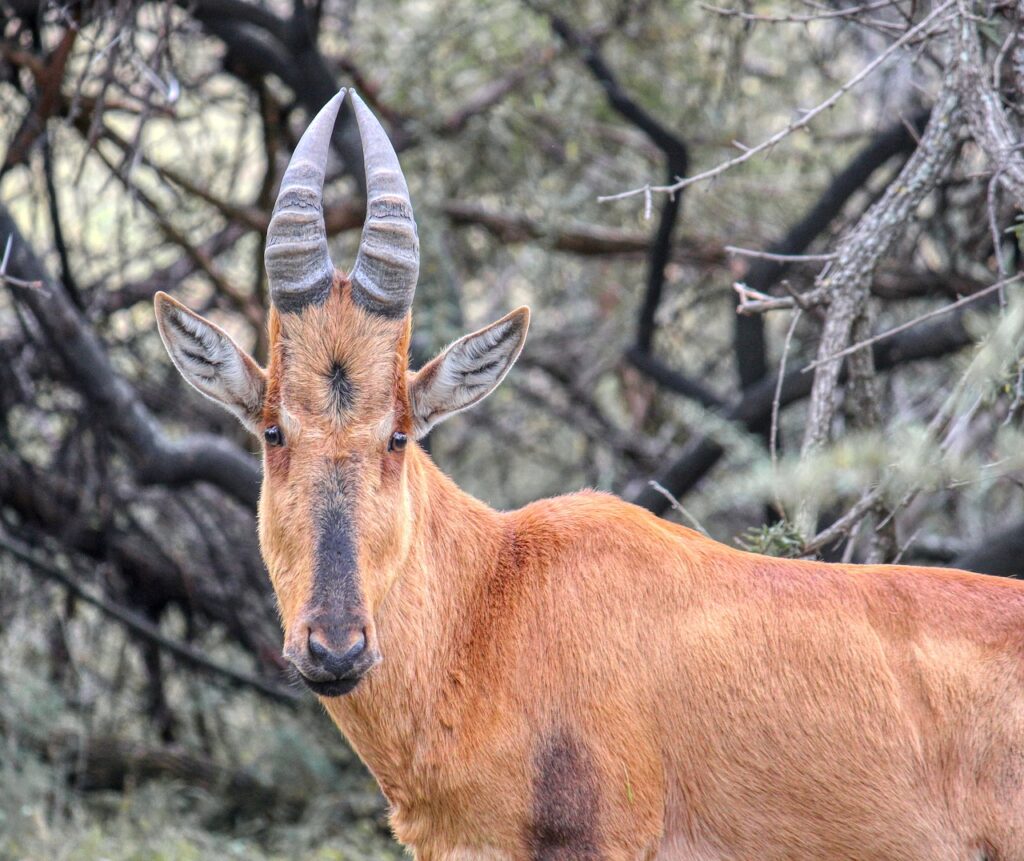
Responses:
[273,436]
[398,441]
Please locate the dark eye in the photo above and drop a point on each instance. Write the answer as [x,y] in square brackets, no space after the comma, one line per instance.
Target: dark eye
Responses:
[398,441]
[273,435]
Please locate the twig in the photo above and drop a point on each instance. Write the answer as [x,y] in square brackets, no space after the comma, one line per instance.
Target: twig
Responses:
[158,457]
[752,301]
[10,279]
[773,435]
[804,120]
[748,335]
[911,323]
[753,410]
[797,19]
[245,304]
[845,523]
[675,503]
[781,258]
[493,92]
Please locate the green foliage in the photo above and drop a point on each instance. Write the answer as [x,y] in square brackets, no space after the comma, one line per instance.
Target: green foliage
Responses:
[781,538]
[44,817]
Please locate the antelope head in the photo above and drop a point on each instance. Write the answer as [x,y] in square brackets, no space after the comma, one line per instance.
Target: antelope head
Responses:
[338,410]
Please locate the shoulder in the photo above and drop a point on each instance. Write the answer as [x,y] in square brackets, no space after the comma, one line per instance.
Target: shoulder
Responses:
[592,520]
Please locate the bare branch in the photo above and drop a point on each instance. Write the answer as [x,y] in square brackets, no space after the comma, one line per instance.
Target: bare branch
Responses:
[847,12]
[159,459]
[922,29]
[982,105]
[895,330]
[142,627]
[753,410]
[848,281]
[780,258]
[677,506]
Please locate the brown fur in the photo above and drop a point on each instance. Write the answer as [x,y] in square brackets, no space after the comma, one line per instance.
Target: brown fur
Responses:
[579,679]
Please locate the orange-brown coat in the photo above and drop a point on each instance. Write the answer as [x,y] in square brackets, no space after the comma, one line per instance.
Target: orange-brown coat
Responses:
[579,679]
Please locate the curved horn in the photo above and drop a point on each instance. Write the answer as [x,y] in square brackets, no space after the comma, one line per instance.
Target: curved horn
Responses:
[388,263]
[299,267]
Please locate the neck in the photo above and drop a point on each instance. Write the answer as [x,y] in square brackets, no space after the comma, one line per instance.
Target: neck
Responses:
[394,717]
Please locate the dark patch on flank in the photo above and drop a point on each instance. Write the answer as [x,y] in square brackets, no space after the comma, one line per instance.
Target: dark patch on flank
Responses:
[565,802]
[340,387]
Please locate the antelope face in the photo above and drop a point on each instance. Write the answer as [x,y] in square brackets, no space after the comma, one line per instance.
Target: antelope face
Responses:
[337,409]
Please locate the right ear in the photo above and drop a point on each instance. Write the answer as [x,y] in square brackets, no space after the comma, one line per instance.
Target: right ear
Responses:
[212,362]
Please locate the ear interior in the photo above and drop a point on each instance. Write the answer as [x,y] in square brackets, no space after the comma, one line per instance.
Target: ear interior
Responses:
[467,371]
[211,361]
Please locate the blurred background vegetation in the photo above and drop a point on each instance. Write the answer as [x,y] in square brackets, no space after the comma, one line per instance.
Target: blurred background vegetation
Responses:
[145,712]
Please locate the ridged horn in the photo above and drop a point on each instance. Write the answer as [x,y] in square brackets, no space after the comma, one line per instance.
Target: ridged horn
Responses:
[388,264]
[299,267]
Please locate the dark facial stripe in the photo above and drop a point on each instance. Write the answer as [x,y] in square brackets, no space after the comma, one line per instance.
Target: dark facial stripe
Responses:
[565,802]
[337,600]
[340,388]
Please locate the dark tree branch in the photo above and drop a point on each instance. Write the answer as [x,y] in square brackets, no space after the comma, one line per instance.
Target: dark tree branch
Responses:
[142,627]
[931,341]
[158,458]
[674,148]
[651,366]
[584,239]
[677,158]
[106,302]
[259,43]
[1001,554]
[48,78]
[53,204]
[492,93]
[764,274]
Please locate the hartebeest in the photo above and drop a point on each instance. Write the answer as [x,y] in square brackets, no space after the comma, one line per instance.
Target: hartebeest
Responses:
[579,679]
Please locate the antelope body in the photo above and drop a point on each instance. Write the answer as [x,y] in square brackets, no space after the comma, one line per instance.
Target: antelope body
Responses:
[579,679]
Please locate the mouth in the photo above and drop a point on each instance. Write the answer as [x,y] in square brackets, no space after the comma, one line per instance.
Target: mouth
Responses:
[333,688]
[341,685]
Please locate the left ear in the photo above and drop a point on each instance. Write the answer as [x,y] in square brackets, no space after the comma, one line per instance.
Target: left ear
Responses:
[467,371]
[212,362]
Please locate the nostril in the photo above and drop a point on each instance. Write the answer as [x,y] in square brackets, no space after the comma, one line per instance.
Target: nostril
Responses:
[317,650]
[356,649]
